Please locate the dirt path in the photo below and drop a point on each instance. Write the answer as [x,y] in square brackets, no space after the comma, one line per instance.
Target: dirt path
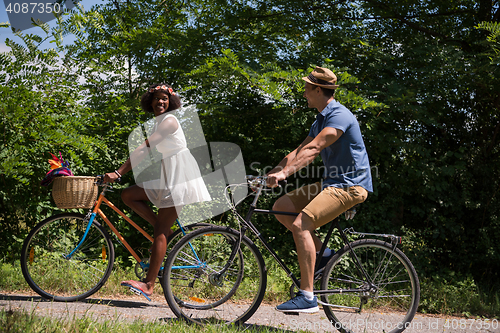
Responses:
[137,308]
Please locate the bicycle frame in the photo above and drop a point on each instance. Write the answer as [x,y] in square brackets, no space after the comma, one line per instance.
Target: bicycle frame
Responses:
[96,210]
[334,225]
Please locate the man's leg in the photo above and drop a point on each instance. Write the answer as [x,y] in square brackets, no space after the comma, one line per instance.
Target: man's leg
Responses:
[303,235]
[306,243]
[285,204]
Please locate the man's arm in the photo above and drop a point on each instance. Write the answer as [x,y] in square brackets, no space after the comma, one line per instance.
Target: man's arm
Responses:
[290,157]
[303,155]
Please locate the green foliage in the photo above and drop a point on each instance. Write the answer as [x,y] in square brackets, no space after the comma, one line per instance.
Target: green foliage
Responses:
[422,78]
[41,112]
[493,38]
[457,296]
[9,277]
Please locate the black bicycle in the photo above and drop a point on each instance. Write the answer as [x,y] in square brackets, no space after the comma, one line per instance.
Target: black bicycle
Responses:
[217,275]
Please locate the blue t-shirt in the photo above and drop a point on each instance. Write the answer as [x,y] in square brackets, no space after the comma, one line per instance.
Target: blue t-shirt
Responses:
[346,160]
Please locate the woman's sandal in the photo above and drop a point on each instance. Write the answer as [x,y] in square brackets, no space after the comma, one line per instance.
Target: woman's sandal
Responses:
[134,287]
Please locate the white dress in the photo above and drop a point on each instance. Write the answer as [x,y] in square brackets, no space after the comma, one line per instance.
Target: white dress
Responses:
[180,181]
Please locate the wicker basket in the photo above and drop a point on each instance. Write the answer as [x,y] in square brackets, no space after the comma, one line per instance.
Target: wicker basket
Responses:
[74,192]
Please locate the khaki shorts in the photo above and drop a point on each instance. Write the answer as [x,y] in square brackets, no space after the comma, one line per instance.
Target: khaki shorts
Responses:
[322,206]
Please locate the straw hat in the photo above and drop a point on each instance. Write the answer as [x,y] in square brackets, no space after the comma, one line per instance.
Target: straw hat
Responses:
[322,77]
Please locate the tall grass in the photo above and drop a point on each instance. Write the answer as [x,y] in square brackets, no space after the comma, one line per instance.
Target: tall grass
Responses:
[11,280]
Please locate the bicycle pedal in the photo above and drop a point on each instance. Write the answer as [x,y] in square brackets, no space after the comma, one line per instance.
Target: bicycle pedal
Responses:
[135,291]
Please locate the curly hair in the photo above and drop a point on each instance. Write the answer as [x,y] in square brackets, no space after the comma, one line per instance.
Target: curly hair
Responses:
[147,98]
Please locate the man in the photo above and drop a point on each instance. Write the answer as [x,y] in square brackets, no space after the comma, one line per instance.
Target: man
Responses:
[347,180]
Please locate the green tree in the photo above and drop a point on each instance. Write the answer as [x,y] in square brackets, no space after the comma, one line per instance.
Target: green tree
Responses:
[435,144]
[41,112]
[422,79]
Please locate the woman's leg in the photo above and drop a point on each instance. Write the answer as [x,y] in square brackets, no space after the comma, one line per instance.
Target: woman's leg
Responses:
[166,219]
[136,198]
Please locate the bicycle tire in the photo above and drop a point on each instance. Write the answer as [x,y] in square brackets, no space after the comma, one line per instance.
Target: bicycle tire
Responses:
[57,278]
[237,280]
[194,295]
[178,234]
[397,291]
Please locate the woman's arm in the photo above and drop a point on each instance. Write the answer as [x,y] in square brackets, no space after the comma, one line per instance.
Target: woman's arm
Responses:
[165,128]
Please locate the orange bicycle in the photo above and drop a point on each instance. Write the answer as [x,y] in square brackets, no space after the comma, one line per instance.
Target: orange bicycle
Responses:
[69,257]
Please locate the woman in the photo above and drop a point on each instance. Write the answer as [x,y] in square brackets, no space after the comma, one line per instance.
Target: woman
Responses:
[179,183]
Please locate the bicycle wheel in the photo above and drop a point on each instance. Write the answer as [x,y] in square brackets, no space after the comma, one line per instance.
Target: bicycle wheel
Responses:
[193,287]
[48,269]
[388,306]
[237,278]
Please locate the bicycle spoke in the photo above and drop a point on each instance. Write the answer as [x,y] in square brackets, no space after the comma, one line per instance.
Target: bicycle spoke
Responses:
[51,274]
[200,295]
[395,290]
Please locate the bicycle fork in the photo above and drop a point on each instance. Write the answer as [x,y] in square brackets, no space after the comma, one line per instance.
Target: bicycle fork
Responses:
[90,216]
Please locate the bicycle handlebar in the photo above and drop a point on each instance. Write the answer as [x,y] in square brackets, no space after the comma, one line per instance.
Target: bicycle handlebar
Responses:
[257,181]
[100,180]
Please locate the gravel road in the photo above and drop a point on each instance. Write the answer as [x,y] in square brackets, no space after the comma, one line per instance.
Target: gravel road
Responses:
[137,308]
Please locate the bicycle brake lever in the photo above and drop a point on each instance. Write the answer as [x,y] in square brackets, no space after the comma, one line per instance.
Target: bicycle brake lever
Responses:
[257,181]
[99,180]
